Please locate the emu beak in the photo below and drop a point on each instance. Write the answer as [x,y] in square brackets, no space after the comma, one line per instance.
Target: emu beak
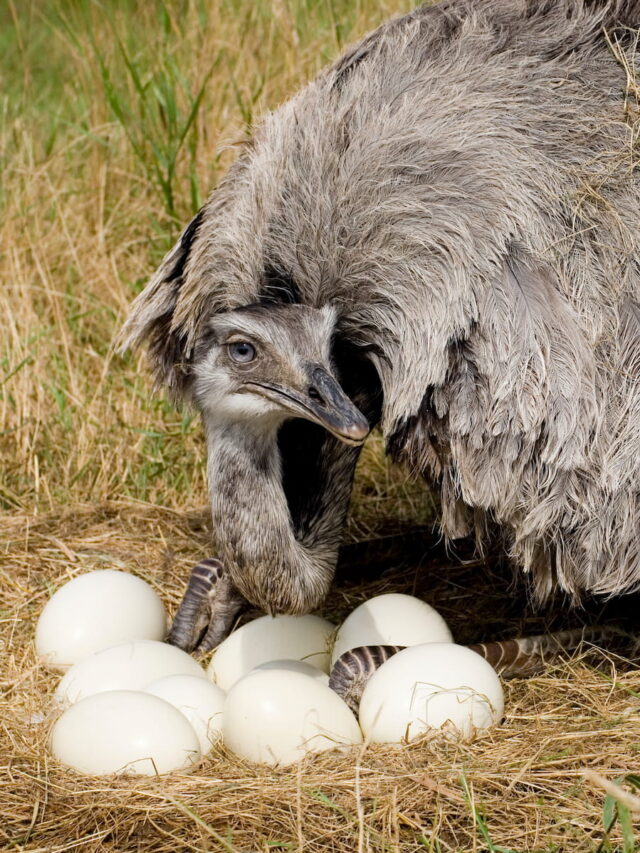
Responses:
[333,410]
[323,401]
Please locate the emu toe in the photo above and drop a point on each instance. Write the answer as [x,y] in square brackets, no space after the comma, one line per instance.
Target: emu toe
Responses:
[208,609]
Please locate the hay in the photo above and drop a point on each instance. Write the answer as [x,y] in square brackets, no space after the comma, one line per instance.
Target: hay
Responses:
[521,787]
[83,223]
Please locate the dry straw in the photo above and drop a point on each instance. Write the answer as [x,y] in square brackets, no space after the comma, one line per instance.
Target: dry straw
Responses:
[114,121]
[522,787]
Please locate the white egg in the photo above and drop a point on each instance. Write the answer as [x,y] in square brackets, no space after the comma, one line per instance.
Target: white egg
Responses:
[277,717]
[305,638]
[128,666]
[429,687]
[392,619]
[198,699]
[94,611]
[124,731]
[295,666]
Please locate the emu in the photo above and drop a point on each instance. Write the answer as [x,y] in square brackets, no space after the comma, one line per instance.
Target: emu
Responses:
[439,235]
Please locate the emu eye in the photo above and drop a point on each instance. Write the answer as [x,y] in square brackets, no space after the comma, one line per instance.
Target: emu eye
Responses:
[242,352]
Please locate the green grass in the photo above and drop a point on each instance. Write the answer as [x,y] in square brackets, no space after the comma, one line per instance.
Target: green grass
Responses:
[617,813]
[115,123]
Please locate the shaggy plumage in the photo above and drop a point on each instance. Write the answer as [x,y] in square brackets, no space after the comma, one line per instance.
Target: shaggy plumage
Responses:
[462,187]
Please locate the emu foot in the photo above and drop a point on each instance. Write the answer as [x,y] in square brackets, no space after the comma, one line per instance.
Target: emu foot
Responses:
[208,609]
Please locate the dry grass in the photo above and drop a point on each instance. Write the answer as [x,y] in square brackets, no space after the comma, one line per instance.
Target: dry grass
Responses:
[113,121]
[521,788]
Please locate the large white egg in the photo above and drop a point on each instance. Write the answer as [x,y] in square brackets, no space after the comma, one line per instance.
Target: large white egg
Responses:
[391,620]
[429,687]
[94,611]
[278,716]
[198,699]
[128,666]
[124,731]
[295,666]
[305,638]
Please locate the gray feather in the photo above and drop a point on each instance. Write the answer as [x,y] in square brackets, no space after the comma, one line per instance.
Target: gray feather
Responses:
[463,187]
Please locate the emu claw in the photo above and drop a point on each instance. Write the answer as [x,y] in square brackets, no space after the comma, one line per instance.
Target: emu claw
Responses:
[208,609]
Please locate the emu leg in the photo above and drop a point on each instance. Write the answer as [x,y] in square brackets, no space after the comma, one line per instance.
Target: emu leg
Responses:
[525,656]
[208,609]
[517,658]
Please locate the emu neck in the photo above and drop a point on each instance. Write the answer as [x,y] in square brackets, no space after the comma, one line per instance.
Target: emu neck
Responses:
[279,498]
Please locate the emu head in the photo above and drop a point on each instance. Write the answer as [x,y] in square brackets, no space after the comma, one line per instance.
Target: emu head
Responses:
[283,438]
[262,364]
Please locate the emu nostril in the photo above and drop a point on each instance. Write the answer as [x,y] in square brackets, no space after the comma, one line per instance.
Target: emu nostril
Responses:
[314,394]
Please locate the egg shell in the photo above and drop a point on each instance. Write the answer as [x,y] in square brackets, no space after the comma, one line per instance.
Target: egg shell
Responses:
[429,687]
[392,619]
[276,717]
[295,666]
[128,666]
[95,611]
[305,638]
[198,699]
[124,731]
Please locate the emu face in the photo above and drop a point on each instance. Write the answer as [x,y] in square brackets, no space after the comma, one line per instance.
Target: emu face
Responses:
[266,364]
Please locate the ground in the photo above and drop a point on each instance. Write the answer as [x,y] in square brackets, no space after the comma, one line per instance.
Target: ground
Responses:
[522,787]
[115,119]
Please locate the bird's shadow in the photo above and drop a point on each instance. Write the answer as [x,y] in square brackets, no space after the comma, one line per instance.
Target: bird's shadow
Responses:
[482,598]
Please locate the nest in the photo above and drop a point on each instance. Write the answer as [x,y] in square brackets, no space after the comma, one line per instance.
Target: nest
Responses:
[520,787]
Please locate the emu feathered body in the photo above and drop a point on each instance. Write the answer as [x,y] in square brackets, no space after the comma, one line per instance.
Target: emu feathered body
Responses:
[463,188]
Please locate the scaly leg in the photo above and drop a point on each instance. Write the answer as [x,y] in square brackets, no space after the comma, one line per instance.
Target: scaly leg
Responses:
[211,603]
[208,609]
